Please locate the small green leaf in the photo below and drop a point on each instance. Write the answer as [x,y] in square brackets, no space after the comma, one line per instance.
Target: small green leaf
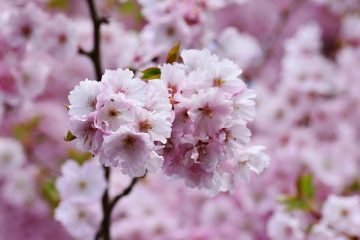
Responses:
[355,186]
[50,193]
[151,73]
[22,131]
[305,187]
[304,199]
[78,156]
[173,55]
[69,137]
[130,8]
[58,4]
[292,203]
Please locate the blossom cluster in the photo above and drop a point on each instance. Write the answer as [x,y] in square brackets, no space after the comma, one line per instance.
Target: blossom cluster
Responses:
[192,120]
[123,119]
[212,105]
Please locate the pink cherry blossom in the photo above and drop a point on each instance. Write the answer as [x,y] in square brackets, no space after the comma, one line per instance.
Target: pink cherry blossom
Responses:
[83,98]
[209,112]
[12,156]
[128,149]
[123,82]
[284,226]
[81,183]
[80,220]
[344,208]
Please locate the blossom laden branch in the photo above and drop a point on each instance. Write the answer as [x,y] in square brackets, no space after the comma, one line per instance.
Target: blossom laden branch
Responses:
[95,56]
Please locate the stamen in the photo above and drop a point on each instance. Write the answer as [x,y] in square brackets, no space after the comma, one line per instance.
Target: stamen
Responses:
[129,142]
[145,126]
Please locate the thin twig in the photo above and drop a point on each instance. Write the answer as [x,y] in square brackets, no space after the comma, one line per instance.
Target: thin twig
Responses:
[95,53]
[123,194]
[107,214]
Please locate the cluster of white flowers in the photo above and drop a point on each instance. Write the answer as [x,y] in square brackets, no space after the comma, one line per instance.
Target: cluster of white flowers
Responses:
[123,119]
[194,117]
[209,141]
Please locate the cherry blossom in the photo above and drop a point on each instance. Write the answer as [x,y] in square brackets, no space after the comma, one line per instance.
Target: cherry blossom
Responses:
[81,183]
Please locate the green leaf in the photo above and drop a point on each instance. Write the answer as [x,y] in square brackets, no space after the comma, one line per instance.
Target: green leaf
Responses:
[22,131]
[293,203]
[305,187]
[78,156]
[69,137]
[58,4]
[355,186]
[173,55]
[151,73]
[304,199]
[50,193]
[130,8]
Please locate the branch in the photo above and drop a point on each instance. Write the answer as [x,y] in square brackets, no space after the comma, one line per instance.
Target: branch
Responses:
[95,53]
[95,57]
[123,194]
[105,225]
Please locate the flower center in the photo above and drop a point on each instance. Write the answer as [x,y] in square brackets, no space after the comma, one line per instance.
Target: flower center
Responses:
[92,103]
[26,31]
[218,82]
[82,184]
[170,31]
[145,126]
[129,142]
[206,111]
[201,148]
[62,38]
[344,212]
[81,214]
[113,113]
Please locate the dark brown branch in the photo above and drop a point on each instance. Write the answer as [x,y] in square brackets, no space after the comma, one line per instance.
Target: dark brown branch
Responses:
[105,224]
[123,194]
[95,57]
[95,53]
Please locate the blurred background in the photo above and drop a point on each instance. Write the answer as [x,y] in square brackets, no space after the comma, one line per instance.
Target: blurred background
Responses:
[301,56]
